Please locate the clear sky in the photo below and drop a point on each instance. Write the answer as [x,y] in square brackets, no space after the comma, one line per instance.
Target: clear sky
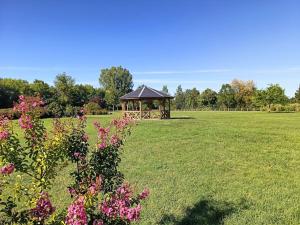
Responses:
[200,43]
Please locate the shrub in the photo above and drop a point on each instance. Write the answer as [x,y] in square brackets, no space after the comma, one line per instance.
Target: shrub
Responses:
[55,110]
[71,111]
[93,108]
[10,113]
[100,195]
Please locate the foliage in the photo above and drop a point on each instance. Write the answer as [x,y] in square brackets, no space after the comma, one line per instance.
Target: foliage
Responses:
[179,98]
[191,98]
[37,161]
[55,109]
[116,81]
[93,108]
[208,98]
[297,95]
[226,96]
[99,192]
[64,85]
[274,94]
[165,89]
[244,91]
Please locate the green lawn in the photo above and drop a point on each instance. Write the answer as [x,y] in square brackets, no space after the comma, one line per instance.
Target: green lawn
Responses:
[212,168]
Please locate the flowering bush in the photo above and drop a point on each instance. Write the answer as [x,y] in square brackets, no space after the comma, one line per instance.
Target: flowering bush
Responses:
[100,195]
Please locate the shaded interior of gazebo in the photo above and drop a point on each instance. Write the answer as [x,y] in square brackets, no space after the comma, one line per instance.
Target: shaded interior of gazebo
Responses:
[146,103]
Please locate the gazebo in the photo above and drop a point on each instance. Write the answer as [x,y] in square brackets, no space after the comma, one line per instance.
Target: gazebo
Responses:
[146,103]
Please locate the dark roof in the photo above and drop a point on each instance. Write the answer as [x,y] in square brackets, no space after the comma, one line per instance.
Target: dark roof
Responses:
[146,93]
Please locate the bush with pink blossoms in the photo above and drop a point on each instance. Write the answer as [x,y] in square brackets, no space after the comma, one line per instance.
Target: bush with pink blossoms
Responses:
[99,192]
[36,161]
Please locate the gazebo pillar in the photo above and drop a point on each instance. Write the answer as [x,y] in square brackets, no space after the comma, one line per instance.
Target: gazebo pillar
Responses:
[140,109]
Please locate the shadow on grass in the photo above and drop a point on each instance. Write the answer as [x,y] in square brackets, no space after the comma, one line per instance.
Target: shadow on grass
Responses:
[205,212]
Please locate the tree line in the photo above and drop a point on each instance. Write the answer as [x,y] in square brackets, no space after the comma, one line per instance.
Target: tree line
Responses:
[237,95]
[65,97]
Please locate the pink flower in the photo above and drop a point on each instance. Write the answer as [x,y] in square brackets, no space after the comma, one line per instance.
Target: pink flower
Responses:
[96,186]
[120,205]
[76,155]
[43,208]
[144,194]
[4,135]
[25,122]
[8,169]
[76,213]
[115,140]
[72,191]
[102,145]
[21,98]
[85,137]
[98,222]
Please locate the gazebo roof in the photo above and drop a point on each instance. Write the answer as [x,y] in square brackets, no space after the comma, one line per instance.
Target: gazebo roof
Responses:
[145,92]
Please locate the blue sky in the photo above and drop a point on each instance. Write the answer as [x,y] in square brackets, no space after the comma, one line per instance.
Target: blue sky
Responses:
[193,43]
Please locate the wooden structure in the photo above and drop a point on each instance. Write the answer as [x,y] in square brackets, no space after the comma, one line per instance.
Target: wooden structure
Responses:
[141,104]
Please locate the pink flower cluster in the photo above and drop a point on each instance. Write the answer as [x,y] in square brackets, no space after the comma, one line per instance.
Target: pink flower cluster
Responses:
[77,213]
[144,194]
[27,103]
[8,169]
[25,122]
[103,134]
[120,205]
[81,115]
[43,208]
[104,137]
[120,124]
[4,133]
[115,140]
[95,186]
[98,222]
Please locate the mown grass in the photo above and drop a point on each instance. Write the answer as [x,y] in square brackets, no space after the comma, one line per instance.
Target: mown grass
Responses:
[211,168]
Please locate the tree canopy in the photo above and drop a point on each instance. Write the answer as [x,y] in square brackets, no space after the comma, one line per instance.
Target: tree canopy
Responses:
[116,81]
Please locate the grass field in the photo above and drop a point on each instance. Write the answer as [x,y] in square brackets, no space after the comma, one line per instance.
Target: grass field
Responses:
[212,168]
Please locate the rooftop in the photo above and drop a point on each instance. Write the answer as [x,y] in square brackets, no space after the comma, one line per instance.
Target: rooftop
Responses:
[145,92]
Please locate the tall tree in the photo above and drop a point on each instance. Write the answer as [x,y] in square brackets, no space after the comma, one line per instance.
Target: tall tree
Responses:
[116,81]
[42,89]
[10,89]
[81,94]
[165,89]
[275,94]
[244,92]
[226,96]
[208,98]
[179,98]
[64,85]
[297,95]
[191,98]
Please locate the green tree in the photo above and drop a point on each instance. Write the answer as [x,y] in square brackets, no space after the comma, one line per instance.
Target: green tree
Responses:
[226,96]
[179,98]
[274,94]
[297,95]
[81,94]
[208,98]
[191,98]
[10,89]
[116,81]
[42,89]
[64,85]
[165,89]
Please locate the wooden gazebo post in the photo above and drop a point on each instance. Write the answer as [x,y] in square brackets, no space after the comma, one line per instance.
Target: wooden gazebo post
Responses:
[140,109]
